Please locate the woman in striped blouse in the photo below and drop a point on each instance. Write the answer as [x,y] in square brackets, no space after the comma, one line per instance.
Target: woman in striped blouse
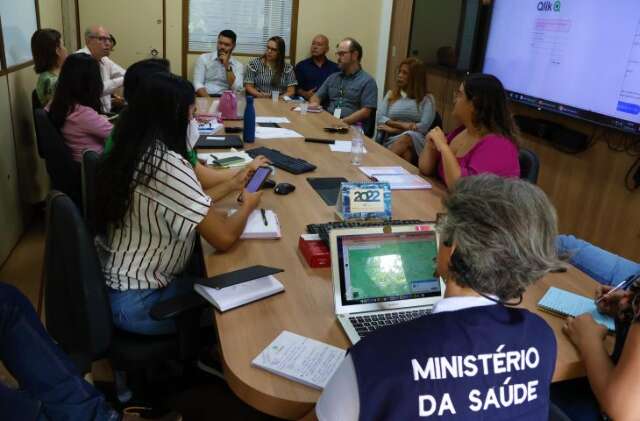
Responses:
[269,73]
[407,112]
[151,204]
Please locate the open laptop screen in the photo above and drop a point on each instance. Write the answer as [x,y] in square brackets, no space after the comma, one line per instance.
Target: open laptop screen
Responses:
[387,267]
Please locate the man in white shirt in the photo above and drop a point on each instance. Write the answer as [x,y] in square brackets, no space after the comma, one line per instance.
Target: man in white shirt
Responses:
[217,71]
[98,44]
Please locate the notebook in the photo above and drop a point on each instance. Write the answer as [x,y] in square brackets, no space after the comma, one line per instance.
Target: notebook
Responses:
[402,181]
[373,171]
[241,293]
[300,359]
[219,142]
[256,227]
[565,303]
[220,159]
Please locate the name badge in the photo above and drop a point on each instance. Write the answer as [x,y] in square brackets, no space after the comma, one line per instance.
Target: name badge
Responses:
[337,113]
[364,201]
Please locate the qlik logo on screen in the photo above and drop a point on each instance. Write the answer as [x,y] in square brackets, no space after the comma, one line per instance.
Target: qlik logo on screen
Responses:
[547,6]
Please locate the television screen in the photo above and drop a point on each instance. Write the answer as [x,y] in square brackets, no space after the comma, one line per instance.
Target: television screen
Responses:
[580,58]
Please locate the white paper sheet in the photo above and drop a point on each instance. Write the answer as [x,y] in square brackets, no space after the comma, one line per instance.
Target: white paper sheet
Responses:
[275,133]
[267,119]
[301,359]
[343,146]
[369,171]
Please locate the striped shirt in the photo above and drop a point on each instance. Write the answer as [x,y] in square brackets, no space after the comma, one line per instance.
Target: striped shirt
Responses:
[260,74]
[408,110]
[158,233]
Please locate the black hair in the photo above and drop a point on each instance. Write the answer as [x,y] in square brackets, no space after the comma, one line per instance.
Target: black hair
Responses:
[228,33]
[113,40]
[79,83]
[44,43]
[277,75]
[140,70]
[154,123]
[490,104]
[355,46]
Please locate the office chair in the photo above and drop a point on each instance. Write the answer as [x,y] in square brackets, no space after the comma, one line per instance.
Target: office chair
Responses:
[369,126]
[89,170]
[63,171]
[529,165]
[35,104]
[78,311]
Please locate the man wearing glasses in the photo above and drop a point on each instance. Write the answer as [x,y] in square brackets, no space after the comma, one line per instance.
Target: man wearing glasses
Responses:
[98,44]
[217,71]
[352,93]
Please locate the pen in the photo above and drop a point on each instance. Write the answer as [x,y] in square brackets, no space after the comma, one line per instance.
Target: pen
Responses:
[264,216]
[622,284]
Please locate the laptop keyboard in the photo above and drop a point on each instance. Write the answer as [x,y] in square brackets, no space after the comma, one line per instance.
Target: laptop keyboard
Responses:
[368,323]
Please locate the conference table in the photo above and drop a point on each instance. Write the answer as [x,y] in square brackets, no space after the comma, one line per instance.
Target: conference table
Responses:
[306,306]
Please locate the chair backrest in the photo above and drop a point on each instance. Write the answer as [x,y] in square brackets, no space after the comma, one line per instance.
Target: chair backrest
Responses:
[437,121]
[369,126]
[35,101]
[35,104]
[90,162]
[529,165]
[77,305]
[62,169]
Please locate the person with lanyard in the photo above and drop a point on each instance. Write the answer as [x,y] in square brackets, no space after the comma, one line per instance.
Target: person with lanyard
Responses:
[217,72]
[486,141]
[477,356]
[352,93]
[313,71]
[270,73]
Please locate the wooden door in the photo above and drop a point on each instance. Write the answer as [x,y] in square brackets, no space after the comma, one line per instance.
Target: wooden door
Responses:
[137,26]
[398,38]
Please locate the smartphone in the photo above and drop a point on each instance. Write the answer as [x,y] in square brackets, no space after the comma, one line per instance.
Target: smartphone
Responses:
[258,179]
[233,129]
[336,129]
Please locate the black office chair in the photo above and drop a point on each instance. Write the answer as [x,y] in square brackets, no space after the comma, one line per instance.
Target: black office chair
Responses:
[78,312]
[437,121]
[63,171]
[89,168]
[529,165]
[369,126]
[35,105]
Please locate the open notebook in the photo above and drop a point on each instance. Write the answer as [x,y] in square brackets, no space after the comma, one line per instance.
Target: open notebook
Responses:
[565,303]
[261,228]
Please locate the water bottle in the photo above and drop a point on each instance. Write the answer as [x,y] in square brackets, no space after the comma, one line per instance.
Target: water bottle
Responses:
[242,102]
[357,144]
[249,130]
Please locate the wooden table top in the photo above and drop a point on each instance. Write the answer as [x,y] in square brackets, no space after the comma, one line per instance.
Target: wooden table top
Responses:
[306,306]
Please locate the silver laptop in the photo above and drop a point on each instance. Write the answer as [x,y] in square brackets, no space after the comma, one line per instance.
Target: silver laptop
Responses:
[383,276]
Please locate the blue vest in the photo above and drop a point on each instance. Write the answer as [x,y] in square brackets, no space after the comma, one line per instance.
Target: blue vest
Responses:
[480,363]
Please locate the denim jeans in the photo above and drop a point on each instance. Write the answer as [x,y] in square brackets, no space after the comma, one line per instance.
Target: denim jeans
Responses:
[131,308]
[50,386]
[603,266]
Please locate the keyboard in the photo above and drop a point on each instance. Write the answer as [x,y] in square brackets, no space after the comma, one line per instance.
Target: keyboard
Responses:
[282,161]
[323,229]
[368,323]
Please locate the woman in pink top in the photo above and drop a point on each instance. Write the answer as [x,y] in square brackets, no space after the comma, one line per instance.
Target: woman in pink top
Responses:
[485,143]
[75,108]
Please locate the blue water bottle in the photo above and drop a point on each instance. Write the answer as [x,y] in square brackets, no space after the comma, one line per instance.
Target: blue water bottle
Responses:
[249,130]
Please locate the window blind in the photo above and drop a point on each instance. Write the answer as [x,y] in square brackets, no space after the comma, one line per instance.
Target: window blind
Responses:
[253,21]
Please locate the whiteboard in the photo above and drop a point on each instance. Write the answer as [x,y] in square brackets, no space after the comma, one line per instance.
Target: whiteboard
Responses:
[19,22]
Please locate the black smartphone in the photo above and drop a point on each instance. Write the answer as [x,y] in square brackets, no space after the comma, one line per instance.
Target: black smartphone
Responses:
[258,179]
[336,129]
[233,129]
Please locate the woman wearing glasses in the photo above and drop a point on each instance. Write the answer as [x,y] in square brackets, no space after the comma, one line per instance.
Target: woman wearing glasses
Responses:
[486,142]
[270,73]
[452,364]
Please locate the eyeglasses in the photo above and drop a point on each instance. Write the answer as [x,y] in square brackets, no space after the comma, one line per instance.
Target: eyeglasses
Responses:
[102,39]
[272,49]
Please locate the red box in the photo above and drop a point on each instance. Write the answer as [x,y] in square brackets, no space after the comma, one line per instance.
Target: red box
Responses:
[315,252]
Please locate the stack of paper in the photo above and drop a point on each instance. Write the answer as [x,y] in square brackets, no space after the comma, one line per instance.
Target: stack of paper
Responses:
[567,303]
[343,146]
[268,119]
[211,158]
[397,177]
[275,133]
[261,228]
[301,359]
[236,295]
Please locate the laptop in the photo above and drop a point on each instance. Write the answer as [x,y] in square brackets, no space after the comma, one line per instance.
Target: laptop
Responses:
[383,276]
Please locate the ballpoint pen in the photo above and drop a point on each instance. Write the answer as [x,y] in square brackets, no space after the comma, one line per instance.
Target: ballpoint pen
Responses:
[621,285]
[264,216]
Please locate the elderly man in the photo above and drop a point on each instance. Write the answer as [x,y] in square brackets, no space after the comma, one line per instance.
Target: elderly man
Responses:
[98,44]
[313,71]
[352,93]
[217,71]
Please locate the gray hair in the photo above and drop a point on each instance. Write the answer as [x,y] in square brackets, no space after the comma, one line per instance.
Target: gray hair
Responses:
[503,230]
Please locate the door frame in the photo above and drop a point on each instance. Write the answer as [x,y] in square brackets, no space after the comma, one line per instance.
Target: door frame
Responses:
[399,38]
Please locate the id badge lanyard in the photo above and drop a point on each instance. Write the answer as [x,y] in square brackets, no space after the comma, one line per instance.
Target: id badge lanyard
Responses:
[337,112]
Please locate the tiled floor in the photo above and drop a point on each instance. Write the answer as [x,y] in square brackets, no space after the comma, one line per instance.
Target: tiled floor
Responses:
[212,400]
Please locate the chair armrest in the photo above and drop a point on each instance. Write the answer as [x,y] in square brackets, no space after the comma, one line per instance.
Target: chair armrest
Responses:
[174,307]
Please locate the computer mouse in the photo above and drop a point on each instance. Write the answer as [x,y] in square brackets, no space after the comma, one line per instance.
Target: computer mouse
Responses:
[284,188]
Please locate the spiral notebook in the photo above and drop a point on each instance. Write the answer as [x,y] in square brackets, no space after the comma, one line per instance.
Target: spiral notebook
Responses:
[565,303]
